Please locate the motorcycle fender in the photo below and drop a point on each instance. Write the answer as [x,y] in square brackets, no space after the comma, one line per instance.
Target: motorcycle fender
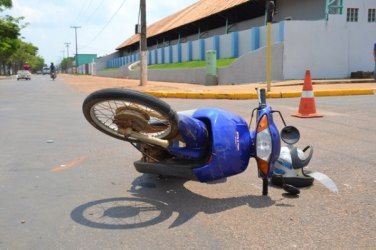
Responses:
[230,144]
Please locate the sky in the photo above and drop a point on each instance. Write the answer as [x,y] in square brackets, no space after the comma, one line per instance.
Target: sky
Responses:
[104,24]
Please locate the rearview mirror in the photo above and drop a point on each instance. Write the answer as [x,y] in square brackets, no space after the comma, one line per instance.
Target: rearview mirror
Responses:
[290,135]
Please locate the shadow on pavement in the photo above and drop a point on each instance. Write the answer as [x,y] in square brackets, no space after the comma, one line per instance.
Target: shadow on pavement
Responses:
[154,200]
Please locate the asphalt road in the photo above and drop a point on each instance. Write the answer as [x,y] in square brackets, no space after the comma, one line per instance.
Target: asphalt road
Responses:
[64,185]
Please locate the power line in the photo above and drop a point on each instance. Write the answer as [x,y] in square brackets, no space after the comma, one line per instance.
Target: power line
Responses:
[82,10]
[97,49]
[105,26]
[93,12]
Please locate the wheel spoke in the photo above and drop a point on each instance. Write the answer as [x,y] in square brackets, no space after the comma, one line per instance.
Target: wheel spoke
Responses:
[115,111]
[104,114]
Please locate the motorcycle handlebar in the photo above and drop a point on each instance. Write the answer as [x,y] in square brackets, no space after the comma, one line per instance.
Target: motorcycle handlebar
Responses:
[261,93]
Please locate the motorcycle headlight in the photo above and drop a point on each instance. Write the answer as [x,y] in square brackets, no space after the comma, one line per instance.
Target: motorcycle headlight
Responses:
[263,145]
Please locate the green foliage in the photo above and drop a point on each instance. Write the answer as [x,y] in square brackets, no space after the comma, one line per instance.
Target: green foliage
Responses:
[9,27]
[26,53]
[5,4]
[36,63]
[13,51]
[9,38]
[66,63]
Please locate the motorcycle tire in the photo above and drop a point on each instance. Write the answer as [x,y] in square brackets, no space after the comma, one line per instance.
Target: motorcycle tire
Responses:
[109,109]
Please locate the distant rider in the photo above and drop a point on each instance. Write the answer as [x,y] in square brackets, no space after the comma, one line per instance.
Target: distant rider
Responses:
[52,68]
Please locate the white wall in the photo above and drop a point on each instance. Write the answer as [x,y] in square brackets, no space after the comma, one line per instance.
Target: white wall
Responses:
[244,42]
[330,49]
[362,36]
[251,67]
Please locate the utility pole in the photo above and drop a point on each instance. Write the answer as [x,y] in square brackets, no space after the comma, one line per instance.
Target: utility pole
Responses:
[67,45]
[269,19]
[143,45]
[75,33]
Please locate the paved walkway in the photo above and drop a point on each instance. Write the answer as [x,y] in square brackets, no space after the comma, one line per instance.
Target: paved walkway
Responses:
[282,89]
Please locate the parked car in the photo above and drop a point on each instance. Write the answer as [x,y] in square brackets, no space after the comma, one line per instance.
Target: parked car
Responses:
[46,71]
[23,74]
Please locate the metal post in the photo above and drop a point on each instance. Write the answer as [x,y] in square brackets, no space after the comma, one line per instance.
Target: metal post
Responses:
[75,33]
[268,57]
[67,45]
[269,19]
[143,45]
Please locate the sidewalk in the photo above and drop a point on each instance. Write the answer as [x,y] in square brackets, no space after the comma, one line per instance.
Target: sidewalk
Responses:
[284,89]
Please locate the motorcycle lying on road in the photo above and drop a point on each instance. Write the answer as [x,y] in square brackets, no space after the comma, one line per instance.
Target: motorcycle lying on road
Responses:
[205,144]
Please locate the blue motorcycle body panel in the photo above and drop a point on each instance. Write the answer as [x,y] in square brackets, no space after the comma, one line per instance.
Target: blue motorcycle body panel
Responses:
[195,136]
[231,144]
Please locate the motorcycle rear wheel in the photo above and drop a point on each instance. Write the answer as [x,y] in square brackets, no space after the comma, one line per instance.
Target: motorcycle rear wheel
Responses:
[114,109]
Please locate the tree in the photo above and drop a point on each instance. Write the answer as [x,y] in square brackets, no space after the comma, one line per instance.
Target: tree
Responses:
[66,63]
[13,51]
[5,4]
[36,63]
[26,53]
[9,39]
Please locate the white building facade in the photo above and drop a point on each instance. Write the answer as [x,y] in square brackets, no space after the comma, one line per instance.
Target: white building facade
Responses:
[332,38]
[332,48]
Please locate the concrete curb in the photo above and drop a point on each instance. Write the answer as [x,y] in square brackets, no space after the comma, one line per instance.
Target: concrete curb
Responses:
[243,96]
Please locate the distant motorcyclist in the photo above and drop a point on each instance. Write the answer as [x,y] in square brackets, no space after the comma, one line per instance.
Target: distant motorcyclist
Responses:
[52,71]
[52,68]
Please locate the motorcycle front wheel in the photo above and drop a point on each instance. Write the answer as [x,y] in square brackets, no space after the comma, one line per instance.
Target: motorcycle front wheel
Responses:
[114,110]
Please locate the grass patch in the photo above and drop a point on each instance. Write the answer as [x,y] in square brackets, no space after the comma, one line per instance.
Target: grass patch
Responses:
[109,69]
[225,62]
[221,63]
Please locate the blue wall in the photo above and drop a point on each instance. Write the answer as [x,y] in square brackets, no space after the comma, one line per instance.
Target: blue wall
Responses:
[229,45]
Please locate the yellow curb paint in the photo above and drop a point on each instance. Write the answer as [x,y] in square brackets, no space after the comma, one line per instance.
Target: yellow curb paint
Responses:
[291,94]
[342,92]
[273,95]
[70,164]
[243,96]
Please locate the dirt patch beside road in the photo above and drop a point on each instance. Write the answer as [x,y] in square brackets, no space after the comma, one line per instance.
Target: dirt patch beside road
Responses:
[87,84]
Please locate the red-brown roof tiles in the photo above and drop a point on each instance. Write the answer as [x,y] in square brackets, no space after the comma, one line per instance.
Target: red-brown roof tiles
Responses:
[197,11]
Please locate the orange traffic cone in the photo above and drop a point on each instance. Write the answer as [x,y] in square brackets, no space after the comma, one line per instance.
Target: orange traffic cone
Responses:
[307,106]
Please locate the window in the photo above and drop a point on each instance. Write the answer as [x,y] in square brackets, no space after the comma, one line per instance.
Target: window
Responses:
[334,7]
[371,15]
[352,14]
